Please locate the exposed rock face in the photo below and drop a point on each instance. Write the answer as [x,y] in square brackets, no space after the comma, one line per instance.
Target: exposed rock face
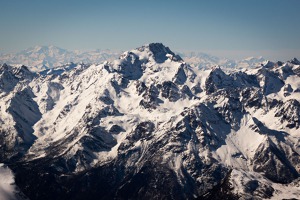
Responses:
[149,126]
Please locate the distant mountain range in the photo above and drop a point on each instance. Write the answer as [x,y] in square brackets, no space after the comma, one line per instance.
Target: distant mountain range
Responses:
[39,58]
[206,61]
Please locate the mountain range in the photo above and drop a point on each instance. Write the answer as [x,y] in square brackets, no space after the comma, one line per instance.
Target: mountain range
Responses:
[148,125]
[40,58]
[206,61]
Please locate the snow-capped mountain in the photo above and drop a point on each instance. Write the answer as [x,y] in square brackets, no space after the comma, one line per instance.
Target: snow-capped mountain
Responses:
[150,126]
[39,58]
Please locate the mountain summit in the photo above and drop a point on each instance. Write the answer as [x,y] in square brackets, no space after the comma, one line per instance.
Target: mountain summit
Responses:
[150,126]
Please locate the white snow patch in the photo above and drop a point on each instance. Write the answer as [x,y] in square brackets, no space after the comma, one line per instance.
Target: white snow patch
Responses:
[240,145]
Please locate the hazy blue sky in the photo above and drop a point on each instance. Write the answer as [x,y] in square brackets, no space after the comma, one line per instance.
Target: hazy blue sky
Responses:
[232,28]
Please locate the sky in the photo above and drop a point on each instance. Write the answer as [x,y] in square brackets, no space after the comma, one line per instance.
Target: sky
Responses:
[227,28]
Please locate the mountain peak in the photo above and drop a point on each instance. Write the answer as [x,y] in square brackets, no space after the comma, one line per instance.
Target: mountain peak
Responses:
[153,57]
[160,52]
[295,61]
[4,65]
[43,49]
